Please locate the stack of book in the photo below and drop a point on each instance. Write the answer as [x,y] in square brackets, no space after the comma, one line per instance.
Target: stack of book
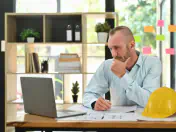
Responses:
[32,63]
[69,63]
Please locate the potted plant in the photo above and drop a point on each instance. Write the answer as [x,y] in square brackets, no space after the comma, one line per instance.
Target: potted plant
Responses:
[30,35]
[102,30]
[75,91]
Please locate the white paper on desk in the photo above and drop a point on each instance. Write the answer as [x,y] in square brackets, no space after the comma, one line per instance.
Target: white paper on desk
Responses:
[120,117]
[114,109]
[80,108]
[139,116]
[104,117]
[84,117]
[122,109]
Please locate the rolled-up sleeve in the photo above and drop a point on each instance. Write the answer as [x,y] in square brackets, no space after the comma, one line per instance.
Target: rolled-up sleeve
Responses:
[97,87]
[140,94]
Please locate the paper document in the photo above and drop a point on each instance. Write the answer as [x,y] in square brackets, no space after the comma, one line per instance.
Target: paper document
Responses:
[120,117]
[104,117]
[139,116]
[114,109]
[122,109]
[116,113]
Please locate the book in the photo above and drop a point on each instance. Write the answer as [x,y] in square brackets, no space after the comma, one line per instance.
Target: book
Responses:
[69,63]
[69,55]
[36,62]
[69,59]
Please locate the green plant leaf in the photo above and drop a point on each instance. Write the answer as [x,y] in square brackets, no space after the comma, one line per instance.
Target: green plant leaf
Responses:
[102,27]
[29,33]
[75,88]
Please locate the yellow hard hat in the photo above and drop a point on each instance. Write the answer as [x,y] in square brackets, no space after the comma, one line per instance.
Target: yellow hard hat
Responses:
[161,103]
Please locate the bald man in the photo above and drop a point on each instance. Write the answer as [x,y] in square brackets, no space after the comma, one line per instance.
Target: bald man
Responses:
[132,75]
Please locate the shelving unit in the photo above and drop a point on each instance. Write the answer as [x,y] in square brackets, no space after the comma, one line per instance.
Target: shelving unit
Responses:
[52,27]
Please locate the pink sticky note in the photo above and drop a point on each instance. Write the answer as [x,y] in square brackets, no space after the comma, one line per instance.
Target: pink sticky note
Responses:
[160,23]
[146,50]
[170,51]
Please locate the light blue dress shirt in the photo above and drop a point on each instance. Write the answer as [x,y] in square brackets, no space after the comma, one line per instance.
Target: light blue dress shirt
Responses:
[134,88]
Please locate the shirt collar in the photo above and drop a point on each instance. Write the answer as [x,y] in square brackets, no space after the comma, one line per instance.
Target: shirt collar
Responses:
[139,61]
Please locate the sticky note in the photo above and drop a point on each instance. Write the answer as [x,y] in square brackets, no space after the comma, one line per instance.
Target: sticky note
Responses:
[172,28]
[170,51]
[160,23]
[149,29]
[146,50]
[137,38]
[160,37]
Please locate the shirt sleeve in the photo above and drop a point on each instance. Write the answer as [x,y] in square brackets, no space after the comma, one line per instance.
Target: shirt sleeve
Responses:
[97,87]
[151,82]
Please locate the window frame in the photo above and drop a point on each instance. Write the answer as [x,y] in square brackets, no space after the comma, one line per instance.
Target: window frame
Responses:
[172,58]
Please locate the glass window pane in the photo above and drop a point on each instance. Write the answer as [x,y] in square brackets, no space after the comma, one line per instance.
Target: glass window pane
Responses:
[93,62]
[20,64]
[21,58]
[82,5]
[69,79]
[95,56]
[96,50]
[166,44]
[132,13]
[36,6]
[57,84]
[91,23]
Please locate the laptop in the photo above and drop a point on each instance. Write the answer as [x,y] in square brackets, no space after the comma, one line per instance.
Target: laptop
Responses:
[38,98]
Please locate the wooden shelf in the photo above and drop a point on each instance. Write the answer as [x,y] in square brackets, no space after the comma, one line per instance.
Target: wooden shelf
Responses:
[56,43]
[97,43]
[20,101]
[15,24]
[10,73]
[52,28]
[43,14]
[24,43]
[110,15]
[60,14]
[46,43]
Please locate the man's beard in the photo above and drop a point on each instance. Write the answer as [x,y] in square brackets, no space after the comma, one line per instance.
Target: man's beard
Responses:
[125,57]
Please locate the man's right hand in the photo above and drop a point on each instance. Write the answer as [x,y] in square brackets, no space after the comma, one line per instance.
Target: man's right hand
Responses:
[102,104]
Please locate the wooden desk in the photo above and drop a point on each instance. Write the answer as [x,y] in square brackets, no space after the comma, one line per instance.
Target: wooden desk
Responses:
[22,121]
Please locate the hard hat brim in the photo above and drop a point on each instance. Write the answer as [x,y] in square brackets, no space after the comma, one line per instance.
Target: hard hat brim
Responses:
[156,115]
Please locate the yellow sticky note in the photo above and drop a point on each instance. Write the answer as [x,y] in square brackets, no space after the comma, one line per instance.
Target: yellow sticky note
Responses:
[160,37]
[149,29]
[172,28]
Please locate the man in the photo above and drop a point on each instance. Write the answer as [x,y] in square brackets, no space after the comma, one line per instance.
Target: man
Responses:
[133,76]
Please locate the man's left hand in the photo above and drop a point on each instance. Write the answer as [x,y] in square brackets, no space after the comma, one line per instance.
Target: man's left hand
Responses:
[118,67]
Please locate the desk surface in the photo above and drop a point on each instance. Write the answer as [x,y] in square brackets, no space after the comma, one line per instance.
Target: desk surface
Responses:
[20,119]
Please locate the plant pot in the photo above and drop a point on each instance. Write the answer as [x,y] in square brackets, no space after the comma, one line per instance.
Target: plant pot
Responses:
[75,97]
[102,37]
[30,39]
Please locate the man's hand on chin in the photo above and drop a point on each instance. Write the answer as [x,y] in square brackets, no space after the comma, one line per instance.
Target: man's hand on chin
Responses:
[119,68]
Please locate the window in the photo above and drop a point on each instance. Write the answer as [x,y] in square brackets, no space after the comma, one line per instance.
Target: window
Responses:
[36,6]
[166,59]
[136,14]
[82,5]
